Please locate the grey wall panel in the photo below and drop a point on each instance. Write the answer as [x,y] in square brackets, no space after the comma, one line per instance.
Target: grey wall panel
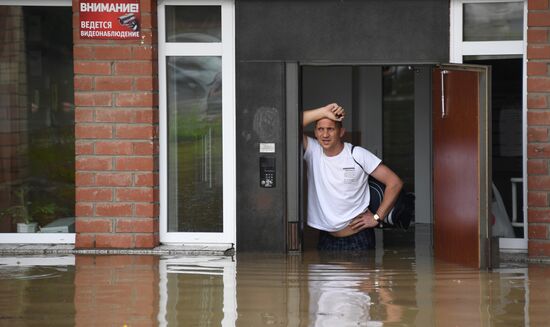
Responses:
[336,30]
[260,119]
[322,85]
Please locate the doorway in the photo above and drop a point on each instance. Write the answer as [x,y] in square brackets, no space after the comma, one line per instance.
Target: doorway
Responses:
[384,106]
[390,111]
[507,148]
[493,33]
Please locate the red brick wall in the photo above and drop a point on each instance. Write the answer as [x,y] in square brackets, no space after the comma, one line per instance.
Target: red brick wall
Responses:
[538,119]
[116,99]
[124,290]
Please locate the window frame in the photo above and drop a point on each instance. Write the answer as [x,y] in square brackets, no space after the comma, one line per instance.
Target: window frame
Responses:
[226,50]
[459,49]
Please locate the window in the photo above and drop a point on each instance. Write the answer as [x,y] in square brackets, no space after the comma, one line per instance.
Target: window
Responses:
[193,24]
[486,27]
[493,21]
[196,74]
[36,124]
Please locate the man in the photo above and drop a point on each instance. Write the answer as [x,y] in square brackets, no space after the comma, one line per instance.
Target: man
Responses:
[339,199]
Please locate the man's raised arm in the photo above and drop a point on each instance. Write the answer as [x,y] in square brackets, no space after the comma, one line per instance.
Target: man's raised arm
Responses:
[331,111]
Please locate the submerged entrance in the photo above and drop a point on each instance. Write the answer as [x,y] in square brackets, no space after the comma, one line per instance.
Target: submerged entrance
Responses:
[386,103]
[507,148]
[380,116]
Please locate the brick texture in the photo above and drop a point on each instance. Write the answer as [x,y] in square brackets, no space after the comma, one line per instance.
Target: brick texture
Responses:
[537,4]
[116,98]
[538,121]
[123,288]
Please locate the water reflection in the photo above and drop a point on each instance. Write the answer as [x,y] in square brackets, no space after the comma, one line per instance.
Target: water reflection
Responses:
[198,290]
[116,290]
[339,296]
[388,287]
[37,291]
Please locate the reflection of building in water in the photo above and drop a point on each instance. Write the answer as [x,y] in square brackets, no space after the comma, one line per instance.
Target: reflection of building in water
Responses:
[199,290]
[147,290]
[468,297]
[335,297]
[116,290]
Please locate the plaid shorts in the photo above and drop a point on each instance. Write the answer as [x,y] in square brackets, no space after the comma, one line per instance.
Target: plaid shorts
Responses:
[364,240]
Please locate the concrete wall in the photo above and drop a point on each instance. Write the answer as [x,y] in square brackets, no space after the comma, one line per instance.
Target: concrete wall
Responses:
[260,119]
[351,30]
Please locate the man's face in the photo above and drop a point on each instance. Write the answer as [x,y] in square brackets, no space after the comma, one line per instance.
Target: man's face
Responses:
[329,134]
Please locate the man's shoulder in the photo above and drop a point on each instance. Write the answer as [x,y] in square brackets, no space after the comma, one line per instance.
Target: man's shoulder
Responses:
[357,150]
[312,148]
[312,142]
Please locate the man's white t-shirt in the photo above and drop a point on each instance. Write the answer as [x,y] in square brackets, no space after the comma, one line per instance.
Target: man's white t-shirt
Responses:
[337,186]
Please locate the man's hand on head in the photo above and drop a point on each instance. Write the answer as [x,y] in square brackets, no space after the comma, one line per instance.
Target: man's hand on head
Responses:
[331,111]
[334,112]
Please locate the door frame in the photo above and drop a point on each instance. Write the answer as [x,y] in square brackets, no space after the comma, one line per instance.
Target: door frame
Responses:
[295,212]
[226,50]
[457,50]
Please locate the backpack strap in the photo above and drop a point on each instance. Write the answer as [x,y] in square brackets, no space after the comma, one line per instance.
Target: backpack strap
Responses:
[353,147]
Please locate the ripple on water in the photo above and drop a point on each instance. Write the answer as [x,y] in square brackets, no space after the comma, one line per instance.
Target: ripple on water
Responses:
[28,273]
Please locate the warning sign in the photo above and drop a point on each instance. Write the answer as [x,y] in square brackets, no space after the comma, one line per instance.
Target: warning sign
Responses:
[109,19]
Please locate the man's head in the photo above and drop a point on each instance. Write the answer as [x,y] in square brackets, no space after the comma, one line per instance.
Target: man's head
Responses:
[329,133]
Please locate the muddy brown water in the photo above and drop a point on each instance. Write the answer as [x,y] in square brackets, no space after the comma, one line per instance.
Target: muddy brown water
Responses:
[392,286]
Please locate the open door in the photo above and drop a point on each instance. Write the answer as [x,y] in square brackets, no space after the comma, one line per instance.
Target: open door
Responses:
[461,164]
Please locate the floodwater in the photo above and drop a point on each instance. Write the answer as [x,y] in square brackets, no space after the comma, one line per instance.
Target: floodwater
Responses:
[395,285]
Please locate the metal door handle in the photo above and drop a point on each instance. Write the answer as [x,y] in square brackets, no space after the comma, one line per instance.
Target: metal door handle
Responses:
[443,109]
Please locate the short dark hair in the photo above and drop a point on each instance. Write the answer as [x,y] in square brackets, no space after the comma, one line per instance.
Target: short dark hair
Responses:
[338,123]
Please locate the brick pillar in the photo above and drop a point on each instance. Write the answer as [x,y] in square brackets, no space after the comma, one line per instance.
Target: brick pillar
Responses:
[538,120]
[116,99]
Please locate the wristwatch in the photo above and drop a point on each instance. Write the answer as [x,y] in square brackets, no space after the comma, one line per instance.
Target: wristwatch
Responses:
[376,217]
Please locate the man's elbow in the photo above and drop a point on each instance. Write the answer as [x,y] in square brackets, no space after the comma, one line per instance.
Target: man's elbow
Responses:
[397,184]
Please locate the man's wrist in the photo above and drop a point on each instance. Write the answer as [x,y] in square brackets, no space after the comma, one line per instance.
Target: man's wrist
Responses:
[377,217]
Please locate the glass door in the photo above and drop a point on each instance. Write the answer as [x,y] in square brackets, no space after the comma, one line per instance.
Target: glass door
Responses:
[196,74]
